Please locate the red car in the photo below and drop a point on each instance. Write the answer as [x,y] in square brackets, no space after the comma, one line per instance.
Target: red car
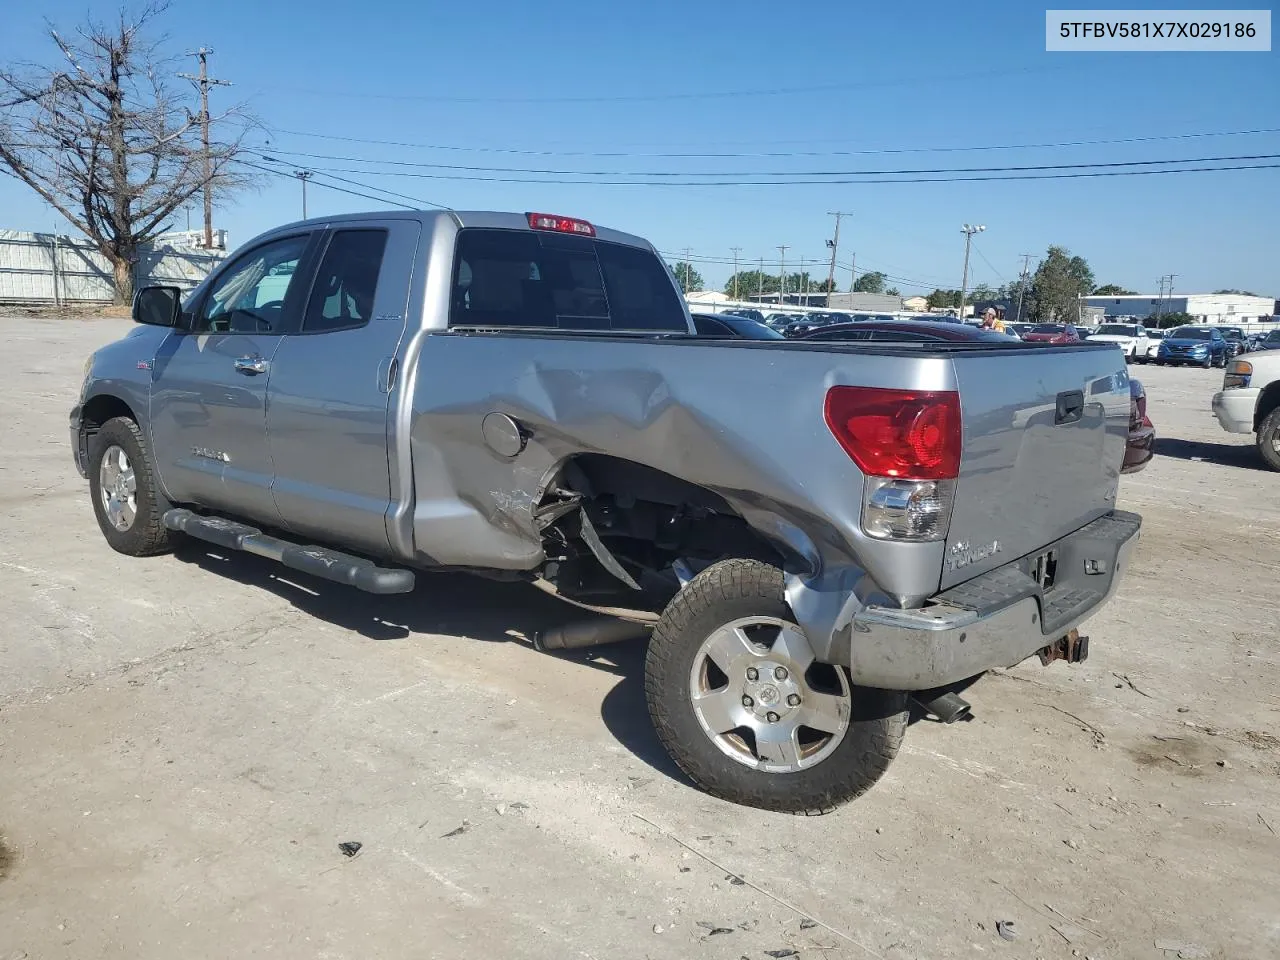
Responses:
[1140,445]
[1053,333]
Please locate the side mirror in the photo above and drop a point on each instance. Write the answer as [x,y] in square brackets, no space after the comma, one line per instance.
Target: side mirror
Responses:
[157,306]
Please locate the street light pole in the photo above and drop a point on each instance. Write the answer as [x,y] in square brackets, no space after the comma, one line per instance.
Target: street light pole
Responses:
[304,176]
[968,231]
[736,251]
[782,271]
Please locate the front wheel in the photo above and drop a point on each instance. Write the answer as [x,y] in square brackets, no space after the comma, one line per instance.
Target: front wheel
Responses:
[743,706]
[126,499]
[1269,439]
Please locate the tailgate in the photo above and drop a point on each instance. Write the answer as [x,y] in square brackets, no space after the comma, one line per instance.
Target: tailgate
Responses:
[1044,440]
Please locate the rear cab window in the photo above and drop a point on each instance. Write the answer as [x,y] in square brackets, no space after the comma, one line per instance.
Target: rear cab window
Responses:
[553,281]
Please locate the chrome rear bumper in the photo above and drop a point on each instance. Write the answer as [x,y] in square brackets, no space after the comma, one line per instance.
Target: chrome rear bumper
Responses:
[997,619]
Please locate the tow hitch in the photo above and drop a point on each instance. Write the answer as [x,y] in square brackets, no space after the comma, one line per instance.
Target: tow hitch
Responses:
[1072,648]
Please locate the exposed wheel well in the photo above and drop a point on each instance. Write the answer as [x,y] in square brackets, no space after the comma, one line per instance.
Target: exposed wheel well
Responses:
[644,520]
[1269,400]
[99,410]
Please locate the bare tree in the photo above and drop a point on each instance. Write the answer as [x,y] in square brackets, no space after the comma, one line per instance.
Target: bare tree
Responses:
[103,140]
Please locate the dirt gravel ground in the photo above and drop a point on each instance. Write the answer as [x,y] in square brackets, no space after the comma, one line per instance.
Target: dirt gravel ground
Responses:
[186,740]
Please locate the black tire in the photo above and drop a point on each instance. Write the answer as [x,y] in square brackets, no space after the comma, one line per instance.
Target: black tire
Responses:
[147,534]
[1269,439]
[724,592]
[1208,362]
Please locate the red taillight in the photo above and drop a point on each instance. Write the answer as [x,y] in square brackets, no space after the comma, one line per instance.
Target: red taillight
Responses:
[549,221]
[909,434]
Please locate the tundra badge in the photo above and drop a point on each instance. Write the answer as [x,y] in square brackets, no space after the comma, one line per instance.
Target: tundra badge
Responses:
[962,554]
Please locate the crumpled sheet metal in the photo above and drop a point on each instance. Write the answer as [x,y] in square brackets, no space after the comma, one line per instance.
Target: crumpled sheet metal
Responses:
[744,422]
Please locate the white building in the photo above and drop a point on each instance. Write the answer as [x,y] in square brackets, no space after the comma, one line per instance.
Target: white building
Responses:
[1219,308]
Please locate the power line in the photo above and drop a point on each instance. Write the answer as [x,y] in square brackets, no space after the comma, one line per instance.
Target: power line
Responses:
[786,153]
[330,186]
[848,181]
[417,201]
[915,80]
[983,256]
[547,171]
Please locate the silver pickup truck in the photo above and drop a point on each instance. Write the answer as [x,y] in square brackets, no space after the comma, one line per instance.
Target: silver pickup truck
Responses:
[807,533]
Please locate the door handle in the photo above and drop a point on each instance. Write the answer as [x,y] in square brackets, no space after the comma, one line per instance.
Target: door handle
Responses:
[251,365]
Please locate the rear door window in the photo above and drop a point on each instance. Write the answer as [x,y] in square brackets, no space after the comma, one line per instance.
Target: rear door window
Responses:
[345,284]
[516,278]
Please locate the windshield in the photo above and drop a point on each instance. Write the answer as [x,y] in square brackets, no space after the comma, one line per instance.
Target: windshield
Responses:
[1118,330]
[1232,333]
[1191,333]
[750,329]
[1273,337]
[1047,328]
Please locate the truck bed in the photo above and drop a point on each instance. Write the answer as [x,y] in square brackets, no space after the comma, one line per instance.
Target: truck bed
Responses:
[744,421]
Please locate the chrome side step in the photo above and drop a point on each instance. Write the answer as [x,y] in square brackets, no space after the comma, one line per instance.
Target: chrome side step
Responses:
[318,561]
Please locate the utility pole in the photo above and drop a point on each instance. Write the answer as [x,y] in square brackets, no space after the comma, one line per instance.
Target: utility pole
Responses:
[834,245]
[1022,286]
[687,265]
[204,82]
[1160,302]
[736,251]
[304,176]
[760,282]
[782,268]
[804,281]
[968,231]
[853,273]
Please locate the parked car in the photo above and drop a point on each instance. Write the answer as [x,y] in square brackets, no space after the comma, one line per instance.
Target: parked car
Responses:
[1141,441]
[1053,333]
[1235,341]
[1203,346]
[755,315]
[780,320]
[1132,338]
[1249,401]
[1141,444]
[1018,329]
[806,322]
[522,396]
[732,325]
[1153,344]
[1265,340]
[901,331]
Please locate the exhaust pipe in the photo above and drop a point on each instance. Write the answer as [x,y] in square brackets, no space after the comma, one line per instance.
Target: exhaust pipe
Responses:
[947,707]
[590,633]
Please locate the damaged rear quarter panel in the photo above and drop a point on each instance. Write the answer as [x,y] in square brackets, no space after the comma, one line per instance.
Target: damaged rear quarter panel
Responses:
[742,420]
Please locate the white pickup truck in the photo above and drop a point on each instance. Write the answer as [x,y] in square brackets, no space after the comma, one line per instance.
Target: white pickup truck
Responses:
[1249,401]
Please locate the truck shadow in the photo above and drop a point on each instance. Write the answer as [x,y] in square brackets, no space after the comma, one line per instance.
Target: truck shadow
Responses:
[464,605]
[456,604]
[1243,455]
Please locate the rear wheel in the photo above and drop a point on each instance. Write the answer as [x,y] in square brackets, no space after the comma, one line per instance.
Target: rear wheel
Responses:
[742,705]
[1269,439]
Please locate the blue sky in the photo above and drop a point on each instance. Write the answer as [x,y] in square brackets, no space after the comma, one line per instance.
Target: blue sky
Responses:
[855,77]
